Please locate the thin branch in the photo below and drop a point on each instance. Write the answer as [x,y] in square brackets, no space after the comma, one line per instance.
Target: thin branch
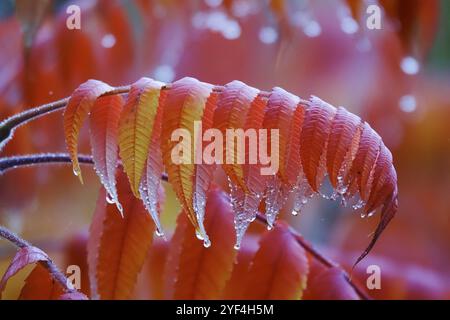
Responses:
[9,125]
[36,159]
[48,264]
[9,163]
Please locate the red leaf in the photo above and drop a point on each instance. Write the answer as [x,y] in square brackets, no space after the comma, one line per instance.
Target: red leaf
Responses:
[279,269]
[342,144]
[78,107]
[186,103]
[193,271]
[328,284]
[241,107]
[104,124]
[40,285]
[313,142]
[118,246]
[24,257]
[236,284]
[155,267]
[279,115]
[75,252]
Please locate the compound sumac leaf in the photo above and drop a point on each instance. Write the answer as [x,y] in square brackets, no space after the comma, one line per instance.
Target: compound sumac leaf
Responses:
[167,127]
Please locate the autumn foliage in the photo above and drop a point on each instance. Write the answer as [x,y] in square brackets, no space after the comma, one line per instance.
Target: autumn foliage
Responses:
[162,229]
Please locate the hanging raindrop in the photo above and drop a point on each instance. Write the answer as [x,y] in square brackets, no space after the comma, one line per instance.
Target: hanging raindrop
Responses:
[206,243]
[199,235]
[110,199]
[149,195]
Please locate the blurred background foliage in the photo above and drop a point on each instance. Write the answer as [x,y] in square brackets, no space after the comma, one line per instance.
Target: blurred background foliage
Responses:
[396,78]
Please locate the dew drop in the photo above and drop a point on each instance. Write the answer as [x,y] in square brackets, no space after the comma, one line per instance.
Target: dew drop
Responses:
[119,207]
[206,243]
[359,204]
[108,41]
[199,235]
[237,246]
[349,25]
[245,207]
[159,233]
[149,196]
[276,196]
[164,73]
[110,199]
[307,23]
[302,193]
[312,29]
[408,103]
[295,213]
[410,65]
[213,3]
[268,35]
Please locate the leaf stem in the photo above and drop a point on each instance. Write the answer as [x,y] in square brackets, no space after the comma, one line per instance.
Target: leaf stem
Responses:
[48,264]
[8,163]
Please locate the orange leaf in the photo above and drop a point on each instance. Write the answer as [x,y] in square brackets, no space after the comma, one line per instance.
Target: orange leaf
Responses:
[313,143]
[328,284]
[279,115]
[342,144]
[233,108]
[39,285]
[283,114]
[185,105]
[104,123]
[136,126]
[235,286]
[75,253]
[150,186]
[279,269]
[193,271]
[241,107]
[361,172]
[23,257]
[155,267]
[78,107]
[118,246]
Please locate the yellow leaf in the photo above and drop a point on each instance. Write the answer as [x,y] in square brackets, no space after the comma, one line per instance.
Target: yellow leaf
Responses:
[135,128]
